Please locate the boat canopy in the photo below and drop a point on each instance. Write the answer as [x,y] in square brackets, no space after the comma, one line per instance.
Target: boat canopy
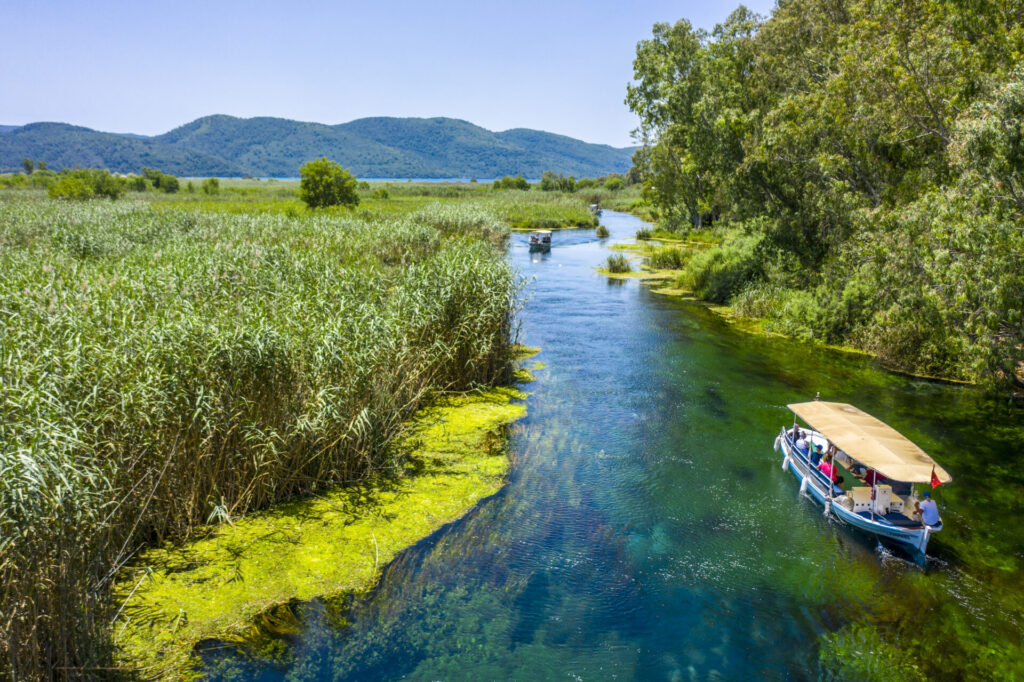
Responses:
[870,441]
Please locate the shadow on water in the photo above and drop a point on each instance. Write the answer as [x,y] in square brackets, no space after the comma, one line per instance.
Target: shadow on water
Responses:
[647,530]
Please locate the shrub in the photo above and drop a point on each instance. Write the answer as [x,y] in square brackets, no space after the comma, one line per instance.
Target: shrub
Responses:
[602,231]
[325,183]
[618,263]
[718,273]
[211,186]
[508,182]
[137,183]
[613,184]
[643,234]
[70,187]
[169,184]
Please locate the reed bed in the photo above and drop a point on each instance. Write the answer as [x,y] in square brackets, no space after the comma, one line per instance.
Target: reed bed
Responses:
[162,369]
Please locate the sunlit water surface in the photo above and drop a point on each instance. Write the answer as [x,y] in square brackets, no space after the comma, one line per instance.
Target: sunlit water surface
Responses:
[648,532]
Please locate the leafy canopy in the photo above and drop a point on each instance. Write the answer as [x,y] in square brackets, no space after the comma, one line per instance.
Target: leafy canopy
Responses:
[326,183]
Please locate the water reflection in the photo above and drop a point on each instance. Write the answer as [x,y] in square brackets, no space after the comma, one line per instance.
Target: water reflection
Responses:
[647,530]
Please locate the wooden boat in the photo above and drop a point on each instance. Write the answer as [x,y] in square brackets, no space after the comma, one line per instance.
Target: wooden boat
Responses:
[869,450]
[540,240]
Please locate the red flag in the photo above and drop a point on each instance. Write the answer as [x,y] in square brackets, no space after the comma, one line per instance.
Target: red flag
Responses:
[935,479]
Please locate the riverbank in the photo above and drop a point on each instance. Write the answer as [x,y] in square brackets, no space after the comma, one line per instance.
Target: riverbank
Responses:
[671,282]
[323,546]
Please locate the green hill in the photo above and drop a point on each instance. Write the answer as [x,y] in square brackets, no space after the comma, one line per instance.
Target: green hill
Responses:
[276,147]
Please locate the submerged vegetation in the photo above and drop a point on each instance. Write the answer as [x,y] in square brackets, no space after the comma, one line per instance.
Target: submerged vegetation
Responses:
[323,546]
[166,366]
[860,163]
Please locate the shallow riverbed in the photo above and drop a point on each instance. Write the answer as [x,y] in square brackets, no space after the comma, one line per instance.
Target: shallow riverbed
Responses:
[648,532]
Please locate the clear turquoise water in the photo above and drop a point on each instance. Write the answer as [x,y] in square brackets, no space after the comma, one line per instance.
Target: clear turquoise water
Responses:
[648,532]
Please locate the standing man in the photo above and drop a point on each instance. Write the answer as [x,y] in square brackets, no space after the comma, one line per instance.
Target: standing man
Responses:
[928,510]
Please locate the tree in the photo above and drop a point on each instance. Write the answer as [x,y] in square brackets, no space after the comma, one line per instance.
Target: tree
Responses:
[27,165]
[211,186]
[40,165]
[71,187]
[169,184]
[326,183]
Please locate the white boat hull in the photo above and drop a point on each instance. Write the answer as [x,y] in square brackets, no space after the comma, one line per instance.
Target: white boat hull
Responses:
[913,538]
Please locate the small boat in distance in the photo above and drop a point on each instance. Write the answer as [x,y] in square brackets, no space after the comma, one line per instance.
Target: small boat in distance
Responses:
[886,464]
[540,240]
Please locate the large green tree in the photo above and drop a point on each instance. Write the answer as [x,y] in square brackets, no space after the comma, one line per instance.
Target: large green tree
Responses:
[326,183]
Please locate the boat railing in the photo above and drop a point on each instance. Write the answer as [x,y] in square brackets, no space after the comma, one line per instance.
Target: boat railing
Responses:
[818,474]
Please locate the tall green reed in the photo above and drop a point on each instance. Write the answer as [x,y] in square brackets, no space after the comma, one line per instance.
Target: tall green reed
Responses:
[166,368]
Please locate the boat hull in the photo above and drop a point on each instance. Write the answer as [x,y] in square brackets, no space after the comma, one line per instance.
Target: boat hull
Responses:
[914,539]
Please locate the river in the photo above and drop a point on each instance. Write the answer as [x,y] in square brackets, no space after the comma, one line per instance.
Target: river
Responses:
[647,530]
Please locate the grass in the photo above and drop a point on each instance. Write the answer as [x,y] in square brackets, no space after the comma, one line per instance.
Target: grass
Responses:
[602,232]
[167,366]
[617,263]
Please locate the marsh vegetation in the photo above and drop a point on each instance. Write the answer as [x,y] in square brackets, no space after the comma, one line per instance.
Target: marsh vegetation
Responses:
[180,360]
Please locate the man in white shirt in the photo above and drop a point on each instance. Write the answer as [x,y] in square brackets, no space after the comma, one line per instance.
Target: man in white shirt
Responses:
[928,510]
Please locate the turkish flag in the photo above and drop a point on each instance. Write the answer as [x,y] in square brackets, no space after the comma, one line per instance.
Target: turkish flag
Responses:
[935,479]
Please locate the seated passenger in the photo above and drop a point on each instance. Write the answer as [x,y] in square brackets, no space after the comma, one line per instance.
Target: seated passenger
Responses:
[815,455]
[801,442]
[872,477]
[828,468]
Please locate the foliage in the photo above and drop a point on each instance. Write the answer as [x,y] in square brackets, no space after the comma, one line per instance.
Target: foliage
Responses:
[668,257]
[211,186]
[617,263]
[325,183]
[86,184]
[28,165]
[613,184]
[720,272]
[602,232]
[872,147]
[644,234]
[169,184]
[137,183]
[71,187]
[164,366]
[508,182]
[549,182]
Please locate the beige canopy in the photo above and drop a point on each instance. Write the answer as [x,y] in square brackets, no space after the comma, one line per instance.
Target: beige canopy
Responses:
[871,442]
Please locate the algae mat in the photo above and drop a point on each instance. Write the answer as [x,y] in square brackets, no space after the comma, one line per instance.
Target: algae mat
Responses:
[335,543]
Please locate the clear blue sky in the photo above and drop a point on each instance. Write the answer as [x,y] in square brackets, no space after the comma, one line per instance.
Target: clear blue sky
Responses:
[146,67]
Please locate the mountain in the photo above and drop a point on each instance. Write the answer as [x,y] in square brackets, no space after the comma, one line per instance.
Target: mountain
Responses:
[275,147]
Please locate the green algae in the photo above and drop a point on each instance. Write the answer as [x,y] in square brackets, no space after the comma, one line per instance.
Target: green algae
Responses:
[238,579]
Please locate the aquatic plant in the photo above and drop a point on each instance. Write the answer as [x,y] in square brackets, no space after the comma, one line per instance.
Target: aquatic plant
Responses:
[617,263]
[162,368]
[668,257]
[643,234]
[602,232]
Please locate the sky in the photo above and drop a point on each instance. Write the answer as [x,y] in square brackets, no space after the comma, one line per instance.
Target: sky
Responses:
[147,67]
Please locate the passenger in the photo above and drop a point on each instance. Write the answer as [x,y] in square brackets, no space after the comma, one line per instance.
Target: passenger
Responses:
[828,468]
[801,442]
[928,510]
[872,477]
[815,455]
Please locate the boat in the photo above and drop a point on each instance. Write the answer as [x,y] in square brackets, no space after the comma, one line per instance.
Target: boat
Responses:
[888,466]
[540,240]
